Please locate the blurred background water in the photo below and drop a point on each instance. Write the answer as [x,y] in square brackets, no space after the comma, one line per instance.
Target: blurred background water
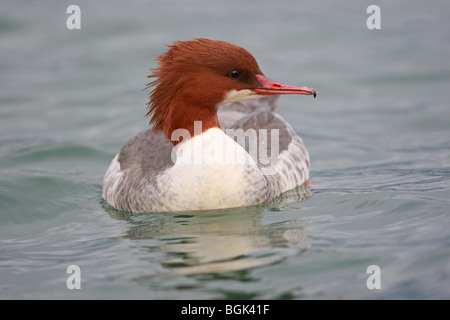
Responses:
[378,135]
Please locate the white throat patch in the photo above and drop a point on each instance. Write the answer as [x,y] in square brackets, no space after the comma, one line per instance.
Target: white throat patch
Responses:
[236,95]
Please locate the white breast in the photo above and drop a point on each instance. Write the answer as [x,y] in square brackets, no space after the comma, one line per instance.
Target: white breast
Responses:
[212,171]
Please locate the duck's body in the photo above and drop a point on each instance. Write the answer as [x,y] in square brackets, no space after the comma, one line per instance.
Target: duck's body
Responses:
[240,154]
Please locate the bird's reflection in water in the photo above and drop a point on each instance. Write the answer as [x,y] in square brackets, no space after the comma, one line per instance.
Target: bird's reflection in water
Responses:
[201,242]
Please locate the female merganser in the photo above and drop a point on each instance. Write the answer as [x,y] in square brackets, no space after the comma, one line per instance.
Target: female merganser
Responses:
[197,156]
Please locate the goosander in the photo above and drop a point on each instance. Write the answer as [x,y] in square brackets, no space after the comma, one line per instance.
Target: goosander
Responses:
[204,150]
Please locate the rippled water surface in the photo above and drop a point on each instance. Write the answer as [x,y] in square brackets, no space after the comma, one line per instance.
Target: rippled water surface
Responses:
[378,135]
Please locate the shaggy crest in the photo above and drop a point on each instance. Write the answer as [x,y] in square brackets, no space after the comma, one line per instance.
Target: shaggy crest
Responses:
[188,77]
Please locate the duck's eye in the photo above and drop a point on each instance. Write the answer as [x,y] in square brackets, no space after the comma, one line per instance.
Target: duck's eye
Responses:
[234,74]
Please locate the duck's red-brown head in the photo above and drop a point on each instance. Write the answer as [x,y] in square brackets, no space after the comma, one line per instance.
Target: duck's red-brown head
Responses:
[195,77]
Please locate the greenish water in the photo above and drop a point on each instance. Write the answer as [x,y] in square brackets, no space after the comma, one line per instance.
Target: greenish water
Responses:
[378,135]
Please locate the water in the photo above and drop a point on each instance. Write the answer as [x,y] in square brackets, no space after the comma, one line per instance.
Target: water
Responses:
[378,137]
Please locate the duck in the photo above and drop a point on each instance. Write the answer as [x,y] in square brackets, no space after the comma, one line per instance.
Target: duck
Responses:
[215,140]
